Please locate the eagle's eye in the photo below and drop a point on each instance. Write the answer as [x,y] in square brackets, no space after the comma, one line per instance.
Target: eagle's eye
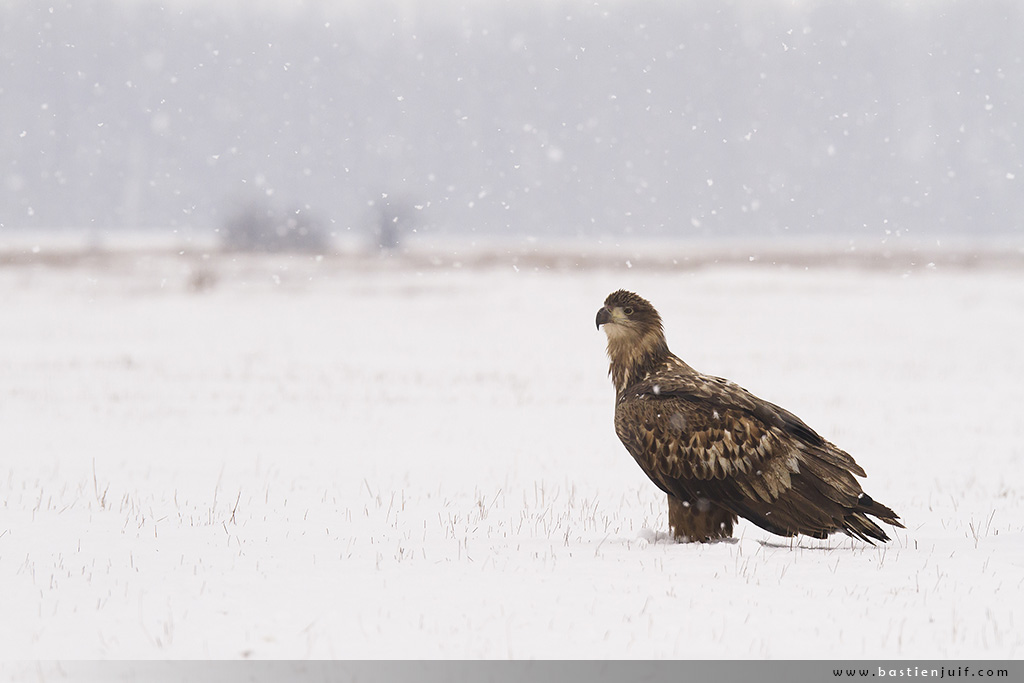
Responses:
[628,310]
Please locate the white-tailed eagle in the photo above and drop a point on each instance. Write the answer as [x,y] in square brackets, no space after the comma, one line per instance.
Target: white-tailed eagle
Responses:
[720,452]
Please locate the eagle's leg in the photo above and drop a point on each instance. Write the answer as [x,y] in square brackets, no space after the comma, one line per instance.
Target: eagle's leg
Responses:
[702,521]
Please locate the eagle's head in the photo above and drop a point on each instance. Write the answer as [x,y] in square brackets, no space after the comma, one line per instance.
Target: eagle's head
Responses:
[628,314]
[636,341]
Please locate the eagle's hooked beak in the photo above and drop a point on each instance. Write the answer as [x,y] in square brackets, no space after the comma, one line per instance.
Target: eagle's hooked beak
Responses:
[603,316]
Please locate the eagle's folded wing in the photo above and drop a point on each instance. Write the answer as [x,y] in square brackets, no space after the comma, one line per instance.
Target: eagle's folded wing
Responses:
[703,438]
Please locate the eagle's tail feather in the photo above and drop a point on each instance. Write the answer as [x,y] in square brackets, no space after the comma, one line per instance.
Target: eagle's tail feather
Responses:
[839,487]
[811,508]
[861,527]
[868,505]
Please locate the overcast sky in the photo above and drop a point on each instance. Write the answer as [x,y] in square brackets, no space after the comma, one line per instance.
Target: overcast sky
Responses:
[528,118]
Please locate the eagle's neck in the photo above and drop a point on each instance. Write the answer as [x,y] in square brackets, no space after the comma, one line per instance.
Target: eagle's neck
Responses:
[634,356]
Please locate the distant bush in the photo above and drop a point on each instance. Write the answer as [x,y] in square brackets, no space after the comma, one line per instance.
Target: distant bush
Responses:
[395,217]
[258,227]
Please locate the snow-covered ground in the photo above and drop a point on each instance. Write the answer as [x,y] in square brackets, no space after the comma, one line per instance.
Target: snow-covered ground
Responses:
[344,458]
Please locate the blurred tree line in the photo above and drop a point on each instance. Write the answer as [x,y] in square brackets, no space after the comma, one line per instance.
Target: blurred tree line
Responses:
[541,117]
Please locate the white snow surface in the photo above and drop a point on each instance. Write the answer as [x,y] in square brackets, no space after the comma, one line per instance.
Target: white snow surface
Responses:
[296,457]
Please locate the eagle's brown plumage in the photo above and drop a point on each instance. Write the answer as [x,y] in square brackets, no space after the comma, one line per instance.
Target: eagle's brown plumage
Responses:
[720,452]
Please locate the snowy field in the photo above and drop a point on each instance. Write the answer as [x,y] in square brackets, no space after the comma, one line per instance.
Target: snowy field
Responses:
[278,457]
